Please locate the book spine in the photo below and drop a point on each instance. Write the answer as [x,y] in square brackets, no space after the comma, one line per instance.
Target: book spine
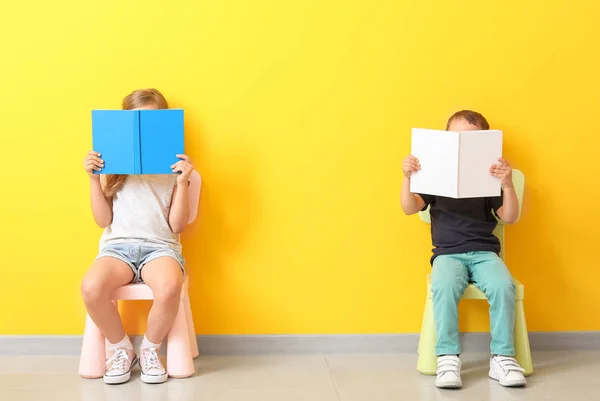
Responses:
[137,145]
[94,114]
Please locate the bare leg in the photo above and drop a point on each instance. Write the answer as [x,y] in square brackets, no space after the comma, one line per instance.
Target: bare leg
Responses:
[106,275]
[164,277]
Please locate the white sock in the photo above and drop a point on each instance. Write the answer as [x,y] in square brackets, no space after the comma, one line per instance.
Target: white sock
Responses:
[147,344]
[125,343]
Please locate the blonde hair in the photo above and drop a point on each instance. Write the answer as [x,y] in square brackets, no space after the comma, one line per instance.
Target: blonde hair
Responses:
[136,99]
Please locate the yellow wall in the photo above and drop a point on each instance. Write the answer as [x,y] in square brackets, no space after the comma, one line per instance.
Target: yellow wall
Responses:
[298,115]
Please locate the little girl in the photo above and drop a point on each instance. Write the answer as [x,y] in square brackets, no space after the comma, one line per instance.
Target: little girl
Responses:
[142,216]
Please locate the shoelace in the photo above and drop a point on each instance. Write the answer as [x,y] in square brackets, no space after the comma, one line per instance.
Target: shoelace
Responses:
[447,364]
[509,364]
[118,359]
[151,359]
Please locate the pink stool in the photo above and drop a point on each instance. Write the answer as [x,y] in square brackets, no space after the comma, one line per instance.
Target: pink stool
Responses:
[182,346]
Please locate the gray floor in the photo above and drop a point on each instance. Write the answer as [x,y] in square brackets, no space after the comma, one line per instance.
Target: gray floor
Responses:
[568,376]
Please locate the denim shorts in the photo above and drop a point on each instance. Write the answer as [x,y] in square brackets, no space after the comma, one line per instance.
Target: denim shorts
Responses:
[138,254]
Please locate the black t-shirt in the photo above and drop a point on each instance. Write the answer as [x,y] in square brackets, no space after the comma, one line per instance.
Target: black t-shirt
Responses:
[462,225]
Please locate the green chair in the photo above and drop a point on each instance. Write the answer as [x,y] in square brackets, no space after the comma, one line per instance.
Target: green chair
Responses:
[427,361]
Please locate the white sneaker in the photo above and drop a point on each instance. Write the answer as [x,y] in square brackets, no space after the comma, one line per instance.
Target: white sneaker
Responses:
[153,371]
[119,365]
[507,371]
[448,372]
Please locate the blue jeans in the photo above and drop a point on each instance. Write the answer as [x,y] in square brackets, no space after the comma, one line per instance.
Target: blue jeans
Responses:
[450,277]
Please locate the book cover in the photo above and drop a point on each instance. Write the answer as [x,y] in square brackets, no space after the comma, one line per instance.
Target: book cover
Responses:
[478,151]
[115,136]
[437,152]
[456,164]
[138,141]
[161,139]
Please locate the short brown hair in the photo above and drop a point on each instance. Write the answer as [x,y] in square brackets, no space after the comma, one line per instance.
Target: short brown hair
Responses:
[144,97]
[472,117]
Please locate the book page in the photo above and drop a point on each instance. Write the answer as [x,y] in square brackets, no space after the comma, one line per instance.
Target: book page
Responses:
[478,151]
[437,152]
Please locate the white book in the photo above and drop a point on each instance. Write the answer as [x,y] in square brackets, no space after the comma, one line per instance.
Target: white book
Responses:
[456,164]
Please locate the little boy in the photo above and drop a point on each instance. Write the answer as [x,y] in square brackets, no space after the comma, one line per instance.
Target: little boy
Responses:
[465,250]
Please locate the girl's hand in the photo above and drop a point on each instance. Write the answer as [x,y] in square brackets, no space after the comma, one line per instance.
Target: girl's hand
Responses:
[92,162]
[410,165]
[504,172]
[184,167]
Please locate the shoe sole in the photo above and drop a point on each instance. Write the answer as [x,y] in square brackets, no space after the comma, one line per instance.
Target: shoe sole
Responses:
[153,379]
[124,378]
[449,385]
[506,384]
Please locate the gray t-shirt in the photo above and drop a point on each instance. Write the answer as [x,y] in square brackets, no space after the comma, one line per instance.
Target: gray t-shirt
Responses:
[141,212]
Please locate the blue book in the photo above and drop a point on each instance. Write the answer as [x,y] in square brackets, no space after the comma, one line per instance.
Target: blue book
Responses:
[138,141]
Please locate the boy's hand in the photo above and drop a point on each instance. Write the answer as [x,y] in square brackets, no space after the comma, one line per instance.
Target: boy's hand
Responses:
[410,165]
[92,162]
[504,172]
[185,167]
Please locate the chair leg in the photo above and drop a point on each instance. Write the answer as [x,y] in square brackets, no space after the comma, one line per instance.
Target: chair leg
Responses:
[427,362]
[179,356]
[93,352]
[190,324]
[522,349]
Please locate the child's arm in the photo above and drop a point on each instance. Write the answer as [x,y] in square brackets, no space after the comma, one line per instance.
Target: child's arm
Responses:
[101,206]
[179,214]
[509,211]
[411,203]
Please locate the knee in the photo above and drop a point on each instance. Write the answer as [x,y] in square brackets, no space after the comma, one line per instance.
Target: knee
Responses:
[91,290]
[167,291]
